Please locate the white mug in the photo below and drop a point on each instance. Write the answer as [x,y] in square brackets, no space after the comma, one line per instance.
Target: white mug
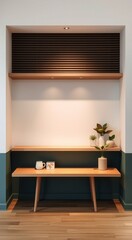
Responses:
[39,165]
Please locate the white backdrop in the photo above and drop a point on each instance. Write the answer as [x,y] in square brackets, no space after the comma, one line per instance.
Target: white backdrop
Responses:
[63,112]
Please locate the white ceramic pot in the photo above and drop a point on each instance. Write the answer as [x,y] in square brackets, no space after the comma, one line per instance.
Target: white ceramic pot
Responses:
[102,163]
[110,143]
[101,141]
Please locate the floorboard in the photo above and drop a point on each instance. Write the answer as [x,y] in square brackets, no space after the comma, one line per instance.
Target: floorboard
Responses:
[65,220]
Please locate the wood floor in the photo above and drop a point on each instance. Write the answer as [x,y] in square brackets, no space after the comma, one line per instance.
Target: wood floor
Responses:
[74,220]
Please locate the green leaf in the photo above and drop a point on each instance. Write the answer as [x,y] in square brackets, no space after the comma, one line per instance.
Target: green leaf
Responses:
[111,137]
[105,126]
[99,125]
[100,130]
[108,131]
[92,137]
[97,147]
[106,145]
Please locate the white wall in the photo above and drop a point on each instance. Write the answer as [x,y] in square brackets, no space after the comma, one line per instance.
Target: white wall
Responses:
[8,92]
[63,112]
[75,12]
[123,89]
[2,89]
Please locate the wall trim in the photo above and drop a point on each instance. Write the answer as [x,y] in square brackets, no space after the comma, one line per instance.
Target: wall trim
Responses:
[127,206]
[4,206]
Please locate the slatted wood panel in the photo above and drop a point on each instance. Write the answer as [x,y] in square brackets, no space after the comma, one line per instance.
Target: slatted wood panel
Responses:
[65,53]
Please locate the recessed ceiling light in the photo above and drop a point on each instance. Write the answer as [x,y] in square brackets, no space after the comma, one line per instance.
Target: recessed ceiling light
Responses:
[66,28]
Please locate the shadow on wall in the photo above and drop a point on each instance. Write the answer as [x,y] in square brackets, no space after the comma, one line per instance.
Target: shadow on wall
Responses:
[65,89]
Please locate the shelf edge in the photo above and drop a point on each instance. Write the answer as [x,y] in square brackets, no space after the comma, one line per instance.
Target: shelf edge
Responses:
[66,76]
[57,148]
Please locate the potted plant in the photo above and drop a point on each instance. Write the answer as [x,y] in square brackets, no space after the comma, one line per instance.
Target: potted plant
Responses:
[92,140]
[102,161]
[110,142]
[102,130]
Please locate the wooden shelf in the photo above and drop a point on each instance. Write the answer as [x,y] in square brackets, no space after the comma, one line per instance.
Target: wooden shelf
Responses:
[66,172]
[61,76]
[60,148]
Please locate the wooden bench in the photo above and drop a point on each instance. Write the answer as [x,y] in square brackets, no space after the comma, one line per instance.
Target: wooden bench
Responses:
[66,172]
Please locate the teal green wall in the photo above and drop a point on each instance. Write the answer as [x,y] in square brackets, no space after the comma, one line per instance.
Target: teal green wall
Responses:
[65,188]
[71,188]
[126,180]
[5,180]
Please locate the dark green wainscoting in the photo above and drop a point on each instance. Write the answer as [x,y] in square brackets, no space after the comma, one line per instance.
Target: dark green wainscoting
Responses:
[65,188]
[126,180]
[5,180]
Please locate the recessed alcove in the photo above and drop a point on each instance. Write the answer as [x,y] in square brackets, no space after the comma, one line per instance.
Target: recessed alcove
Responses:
[116,109]
[63,113]
[56,112]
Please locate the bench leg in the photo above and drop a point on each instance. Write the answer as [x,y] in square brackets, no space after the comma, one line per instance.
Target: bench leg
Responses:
[37,192]
[93,193]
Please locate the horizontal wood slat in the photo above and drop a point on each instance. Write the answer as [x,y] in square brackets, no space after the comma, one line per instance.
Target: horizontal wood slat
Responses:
[65,53]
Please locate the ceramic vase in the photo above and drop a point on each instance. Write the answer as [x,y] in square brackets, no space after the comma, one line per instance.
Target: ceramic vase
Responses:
[101,141]
[102,163]
[110,143]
